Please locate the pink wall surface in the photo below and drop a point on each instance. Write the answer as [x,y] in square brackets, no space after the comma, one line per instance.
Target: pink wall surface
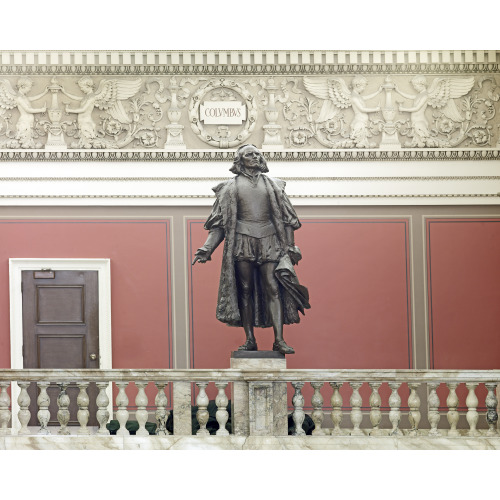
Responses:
[463,276]
[357,272]
[140,278]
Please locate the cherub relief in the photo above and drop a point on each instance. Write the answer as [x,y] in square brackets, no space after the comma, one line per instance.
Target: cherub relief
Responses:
[440,96]
[337,96]
[10,98]
[108,96]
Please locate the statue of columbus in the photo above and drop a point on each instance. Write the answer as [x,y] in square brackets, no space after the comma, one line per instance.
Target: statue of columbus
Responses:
[258,284]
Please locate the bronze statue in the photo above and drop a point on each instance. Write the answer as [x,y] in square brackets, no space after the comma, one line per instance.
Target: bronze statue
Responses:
[258,285]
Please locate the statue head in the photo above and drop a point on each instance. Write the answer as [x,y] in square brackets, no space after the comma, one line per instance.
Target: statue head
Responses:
[359,83]
[86,84]
[24,84]
[419,82]
[239,159]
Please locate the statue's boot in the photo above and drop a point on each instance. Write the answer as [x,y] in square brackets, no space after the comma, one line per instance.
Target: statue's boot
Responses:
[283,347]
[249,345]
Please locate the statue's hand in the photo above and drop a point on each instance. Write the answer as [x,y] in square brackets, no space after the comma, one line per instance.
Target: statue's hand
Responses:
[201,256]
[294,254]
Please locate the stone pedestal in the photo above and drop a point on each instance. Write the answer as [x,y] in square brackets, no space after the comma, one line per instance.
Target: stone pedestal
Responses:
[259,408]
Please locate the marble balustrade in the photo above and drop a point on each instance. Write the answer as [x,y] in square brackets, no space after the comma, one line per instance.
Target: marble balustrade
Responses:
[340,402]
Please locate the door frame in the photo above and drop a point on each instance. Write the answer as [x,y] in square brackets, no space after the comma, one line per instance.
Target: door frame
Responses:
[16,267]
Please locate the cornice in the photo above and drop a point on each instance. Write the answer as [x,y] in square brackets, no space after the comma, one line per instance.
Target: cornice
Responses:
[246,62]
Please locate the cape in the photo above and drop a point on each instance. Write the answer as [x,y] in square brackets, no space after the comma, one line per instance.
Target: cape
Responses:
[224,216]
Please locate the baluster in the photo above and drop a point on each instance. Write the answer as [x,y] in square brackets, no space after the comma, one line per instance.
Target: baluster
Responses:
[141,414]
[82,401]
[221,415]
[414,404]
[122,412]
[5,413]
[472,414]
[317,413]
[161,402]
[63,412]
[298,414]
[102,413]
[356,415]
[491,405]
[336,402]
[43,402]
[453,416]
[433,413]
[24,401]
[375,413]
[395,404]
[202,413]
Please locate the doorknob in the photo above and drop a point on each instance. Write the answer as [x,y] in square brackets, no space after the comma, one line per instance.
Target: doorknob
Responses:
[93,357]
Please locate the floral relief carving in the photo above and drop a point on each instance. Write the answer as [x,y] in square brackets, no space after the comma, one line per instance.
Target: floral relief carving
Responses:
[278,113]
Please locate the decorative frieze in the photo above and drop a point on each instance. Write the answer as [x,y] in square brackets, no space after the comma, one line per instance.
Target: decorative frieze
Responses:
[174,117]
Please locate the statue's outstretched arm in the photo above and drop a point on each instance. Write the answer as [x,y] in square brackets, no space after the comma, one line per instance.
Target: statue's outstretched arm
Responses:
[374,94]
[214,239]
[414,109]
[69,109]
[404,94]
[36,97]
[71,96]
[29,109]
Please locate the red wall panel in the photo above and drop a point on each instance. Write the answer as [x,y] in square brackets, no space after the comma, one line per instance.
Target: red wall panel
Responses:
[140,278]
[463,270]
[357,272]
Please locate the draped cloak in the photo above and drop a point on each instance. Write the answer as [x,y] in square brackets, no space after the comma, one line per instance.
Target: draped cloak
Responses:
[294,297]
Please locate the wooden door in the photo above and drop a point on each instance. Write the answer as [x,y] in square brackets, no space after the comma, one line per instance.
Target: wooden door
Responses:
[61,330]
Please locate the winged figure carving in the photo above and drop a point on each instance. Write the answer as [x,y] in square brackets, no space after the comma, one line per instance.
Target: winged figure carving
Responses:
[337,96]
[10,99]
[439,95]
[109,96]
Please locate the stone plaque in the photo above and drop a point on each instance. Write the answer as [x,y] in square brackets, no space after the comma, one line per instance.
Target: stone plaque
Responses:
[223,113]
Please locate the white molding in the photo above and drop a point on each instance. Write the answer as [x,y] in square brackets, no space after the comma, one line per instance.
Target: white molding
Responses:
[16,266]
[190,183]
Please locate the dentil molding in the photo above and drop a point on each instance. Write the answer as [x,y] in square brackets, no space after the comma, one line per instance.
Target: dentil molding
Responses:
[112,61]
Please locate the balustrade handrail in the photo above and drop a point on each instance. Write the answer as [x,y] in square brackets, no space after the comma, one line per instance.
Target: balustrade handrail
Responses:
[233,375]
